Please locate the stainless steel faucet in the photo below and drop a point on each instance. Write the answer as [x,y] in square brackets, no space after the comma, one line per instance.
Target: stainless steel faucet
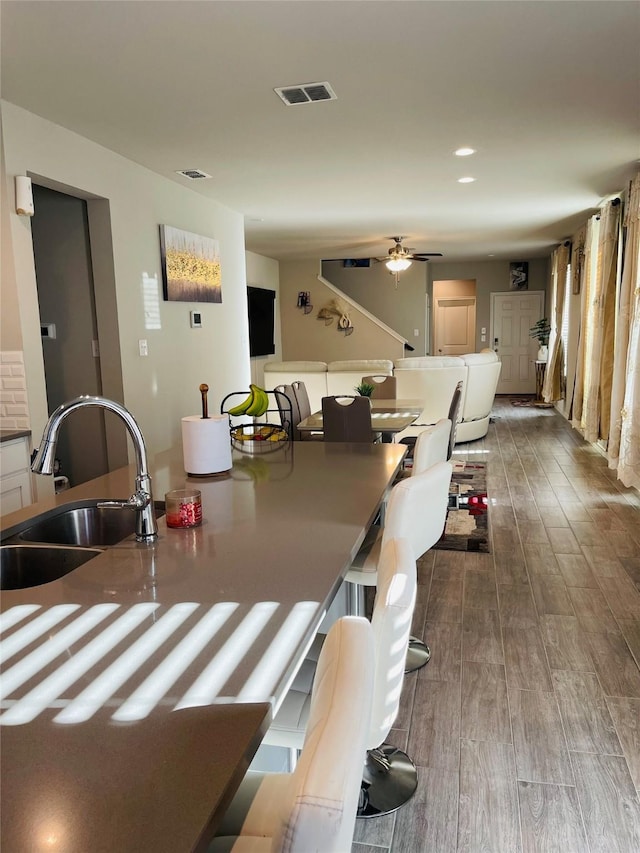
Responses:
[142,499]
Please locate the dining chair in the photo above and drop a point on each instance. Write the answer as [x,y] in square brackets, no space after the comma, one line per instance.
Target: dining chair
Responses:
[288,397]
[347,418]
[314,807]
[389,777]
[454,416]
[384,387]
[304,410]
[432,445]
[416,510]
[288,408]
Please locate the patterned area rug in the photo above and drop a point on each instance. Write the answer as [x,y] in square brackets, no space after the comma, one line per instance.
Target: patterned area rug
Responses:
[467,524]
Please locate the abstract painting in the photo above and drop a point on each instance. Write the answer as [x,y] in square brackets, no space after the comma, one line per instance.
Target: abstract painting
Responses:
[190,266]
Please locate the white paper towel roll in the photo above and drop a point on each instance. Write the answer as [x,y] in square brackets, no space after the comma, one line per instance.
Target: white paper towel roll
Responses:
[206,444]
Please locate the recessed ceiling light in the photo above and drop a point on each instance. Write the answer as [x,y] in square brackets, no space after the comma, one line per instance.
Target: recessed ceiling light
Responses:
[464,152]
[467,180]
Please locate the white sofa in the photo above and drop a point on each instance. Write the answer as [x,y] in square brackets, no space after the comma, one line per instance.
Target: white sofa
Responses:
[312,373]
[429,378]
[433,379]
[343,376]
[322,379]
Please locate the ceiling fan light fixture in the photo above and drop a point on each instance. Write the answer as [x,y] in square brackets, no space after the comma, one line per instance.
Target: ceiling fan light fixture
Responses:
[398,264]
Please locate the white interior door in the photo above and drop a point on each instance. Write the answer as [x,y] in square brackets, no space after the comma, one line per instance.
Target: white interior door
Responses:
[454,326]
[512,315]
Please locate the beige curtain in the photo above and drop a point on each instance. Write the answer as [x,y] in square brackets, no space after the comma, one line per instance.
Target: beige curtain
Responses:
[598,361]
[552,388]
[577,285]
[629,415]
[586,287]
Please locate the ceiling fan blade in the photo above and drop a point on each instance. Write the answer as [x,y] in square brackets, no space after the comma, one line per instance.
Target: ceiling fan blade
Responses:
[425,255]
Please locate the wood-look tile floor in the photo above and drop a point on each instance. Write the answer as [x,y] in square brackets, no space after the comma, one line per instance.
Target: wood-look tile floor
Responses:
[525,725]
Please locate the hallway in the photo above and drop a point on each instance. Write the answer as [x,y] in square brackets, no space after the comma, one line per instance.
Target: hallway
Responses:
[525,725]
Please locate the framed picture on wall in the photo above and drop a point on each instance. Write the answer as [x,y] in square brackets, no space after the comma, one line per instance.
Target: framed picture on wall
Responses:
[190,266]
[519,275]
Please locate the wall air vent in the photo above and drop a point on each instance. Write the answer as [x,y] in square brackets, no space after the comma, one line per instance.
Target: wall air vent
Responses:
[193,174]
[306,93]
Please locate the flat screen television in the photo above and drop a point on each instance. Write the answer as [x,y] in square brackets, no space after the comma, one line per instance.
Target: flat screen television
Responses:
[261,305]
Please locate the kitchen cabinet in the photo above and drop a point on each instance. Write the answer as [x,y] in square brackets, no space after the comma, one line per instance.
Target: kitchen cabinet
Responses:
[15,474]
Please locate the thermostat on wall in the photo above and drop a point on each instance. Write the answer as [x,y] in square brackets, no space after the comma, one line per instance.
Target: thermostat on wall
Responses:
[196,319]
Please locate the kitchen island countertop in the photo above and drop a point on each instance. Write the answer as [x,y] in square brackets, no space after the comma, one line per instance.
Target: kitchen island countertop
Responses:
[200,620]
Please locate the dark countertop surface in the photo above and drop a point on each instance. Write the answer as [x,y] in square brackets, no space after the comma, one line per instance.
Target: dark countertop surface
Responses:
[10,434]
[161,662]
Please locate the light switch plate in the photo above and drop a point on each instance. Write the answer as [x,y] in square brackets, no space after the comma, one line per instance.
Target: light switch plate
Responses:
[195,319]
[143,347]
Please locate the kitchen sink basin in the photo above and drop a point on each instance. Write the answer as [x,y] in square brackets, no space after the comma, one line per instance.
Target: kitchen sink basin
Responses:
[87,525]
[23,566]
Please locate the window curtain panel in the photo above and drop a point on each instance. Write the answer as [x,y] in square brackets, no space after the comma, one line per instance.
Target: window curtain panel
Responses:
[599,343]
[585,297]
[628,416]
[552,389]
[577,287]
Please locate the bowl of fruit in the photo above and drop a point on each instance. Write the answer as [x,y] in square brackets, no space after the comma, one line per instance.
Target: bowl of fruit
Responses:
[258,438]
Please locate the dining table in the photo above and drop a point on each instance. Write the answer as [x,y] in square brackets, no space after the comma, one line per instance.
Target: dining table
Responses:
[387,417]
[136,688]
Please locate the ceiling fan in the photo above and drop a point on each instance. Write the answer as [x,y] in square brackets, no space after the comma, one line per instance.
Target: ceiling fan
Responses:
[399,257]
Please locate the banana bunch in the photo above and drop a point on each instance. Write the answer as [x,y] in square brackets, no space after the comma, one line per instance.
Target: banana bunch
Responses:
[255,405]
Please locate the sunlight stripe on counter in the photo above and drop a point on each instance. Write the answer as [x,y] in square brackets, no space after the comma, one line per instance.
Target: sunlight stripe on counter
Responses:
[41,697]
[259,687]
[56,645]
[85,705]
[143,700]
[206,687]
[12,616]
[35,629]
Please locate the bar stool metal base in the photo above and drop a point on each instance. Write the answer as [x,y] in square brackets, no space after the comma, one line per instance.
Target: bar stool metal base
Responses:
[390,779]
[418,655]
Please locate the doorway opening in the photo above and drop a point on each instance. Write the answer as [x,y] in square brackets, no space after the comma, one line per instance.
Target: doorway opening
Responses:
[78,321]
[454,317]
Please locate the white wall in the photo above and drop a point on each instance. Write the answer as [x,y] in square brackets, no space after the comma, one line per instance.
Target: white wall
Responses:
[163,387]
[265,272]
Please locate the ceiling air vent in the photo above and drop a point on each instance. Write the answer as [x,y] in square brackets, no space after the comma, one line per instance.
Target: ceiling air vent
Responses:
[306,93]
[193,174]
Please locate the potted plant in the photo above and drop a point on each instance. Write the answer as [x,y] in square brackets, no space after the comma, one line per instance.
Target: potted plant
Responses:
[365,389]
[541,331]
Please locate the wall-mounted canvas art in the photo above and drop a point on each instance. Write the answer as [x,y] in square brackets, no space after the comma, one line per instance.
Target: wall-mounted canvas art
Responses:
[190,266]
[519,275]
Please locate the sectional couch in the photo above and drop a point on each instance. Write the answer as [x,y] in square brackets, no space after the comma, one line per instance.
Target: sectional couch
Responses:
[429,378]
